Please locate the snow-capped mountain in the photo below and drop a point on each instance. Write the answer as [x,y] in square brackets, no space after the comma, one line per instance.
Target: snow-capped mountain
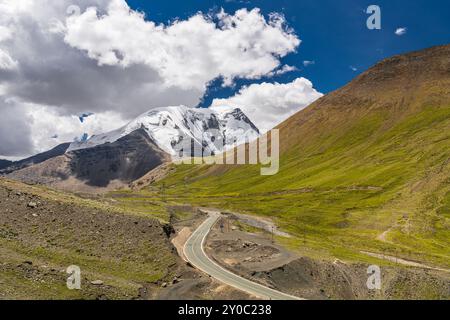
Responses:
[210,131]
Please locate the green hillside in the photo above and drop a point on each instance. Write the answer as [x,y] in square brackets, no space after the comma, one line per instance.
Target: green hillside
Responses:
[366,168]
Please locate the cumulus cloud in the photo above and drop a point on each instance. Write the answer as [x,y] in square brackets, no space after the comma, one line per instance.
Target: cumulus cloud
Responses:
[308,63]
[52,73]
[27,128]
[48,126]
[269,104]
[59,59]
[401,31]
[187,54]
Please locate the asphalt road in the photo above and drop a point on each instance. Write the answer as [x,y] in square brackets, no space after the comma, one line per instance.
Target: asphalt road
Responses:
[195,254]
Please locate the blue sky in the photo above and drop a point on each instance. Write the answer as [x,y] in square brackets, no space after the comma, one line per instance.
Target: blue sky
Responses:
[334,33]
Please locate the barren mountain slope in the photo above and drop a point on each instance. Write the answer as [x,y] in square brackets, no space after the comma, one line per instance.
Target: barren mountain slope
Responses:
[39,158]
[107,166]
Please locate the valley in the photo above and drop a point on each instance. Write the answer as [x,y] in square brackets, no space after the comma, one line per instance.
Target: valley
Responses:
[375,159]
[363,180]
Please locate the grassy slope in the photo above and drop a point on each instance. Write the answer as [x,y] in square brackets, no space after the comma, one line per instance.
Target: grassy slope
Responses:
[369,158]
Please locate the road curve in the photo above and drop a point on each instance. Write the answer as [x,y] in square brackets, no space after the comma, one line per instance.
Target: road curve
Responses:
[195,254]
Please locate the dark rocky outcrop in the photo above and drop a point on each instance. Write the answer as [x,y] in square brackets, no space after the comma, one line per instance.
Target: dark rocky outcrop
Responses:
[39,158]
[120,163]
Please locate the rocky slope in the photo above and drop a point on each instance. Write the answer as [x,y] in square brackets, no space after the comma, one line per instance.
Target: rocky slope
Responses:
[43,232]
[106,166]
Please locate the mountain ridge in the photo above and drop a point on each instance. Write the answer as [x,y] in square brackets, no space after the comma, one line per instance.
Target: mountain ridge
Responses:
[171,127]
[36,159]
[156,137]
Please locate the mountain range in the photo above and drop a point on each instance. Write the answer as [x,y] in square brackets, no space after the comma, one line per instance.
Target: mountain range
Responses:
[117,158]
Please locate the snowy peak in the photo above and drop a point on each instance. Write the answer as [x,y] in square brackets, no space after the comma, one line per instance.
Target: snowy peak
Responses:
[207,131]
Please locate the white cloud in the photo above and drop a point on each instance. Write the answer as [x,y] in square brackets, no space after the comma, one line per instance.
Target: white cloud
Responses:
[189,53]
[27,128]
[48,127]
[401,31]
[115,62]
[269,104]
[282,70]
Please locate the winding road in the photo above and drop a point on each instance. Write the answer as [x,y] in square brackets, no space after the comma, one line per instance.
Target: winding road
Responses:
[195,254]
